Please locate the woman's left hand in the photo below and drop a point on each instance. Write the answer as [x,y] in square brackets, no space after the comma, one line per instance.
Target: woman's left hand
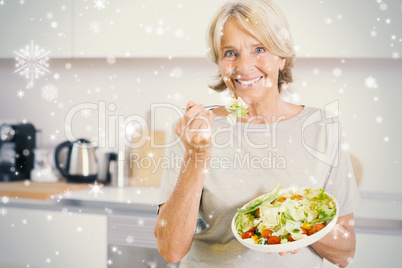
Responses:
[292,252]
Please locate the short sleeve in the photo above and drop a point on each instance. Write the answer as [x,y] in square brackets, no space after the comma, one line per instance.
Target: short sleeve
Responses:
[174,156]
[341,181]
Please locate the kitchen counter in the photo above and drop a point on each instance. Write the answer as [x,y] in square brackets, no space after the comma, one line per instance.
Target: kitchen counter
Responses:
[377,210]
[38,190]
[138,198]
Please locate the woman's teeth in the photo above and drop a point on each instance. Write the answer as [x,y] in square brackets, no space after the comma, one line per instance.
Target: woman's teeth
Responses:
[249,82]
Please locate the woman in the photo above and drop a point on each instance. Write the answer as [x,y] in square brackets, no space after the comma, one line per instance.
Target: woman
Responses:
[225,166]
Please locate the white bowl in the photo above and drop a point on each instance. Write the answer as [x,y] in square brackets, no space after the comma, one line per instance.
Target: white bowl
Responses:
[304,242]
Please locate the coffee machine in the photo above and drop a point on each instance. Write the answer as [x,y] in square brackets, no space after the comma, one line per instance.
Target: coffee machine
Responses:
[17,144]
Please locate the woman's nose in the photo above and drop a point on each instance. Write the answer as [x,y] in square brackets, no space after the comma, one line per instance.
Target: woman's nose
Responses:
[245,65]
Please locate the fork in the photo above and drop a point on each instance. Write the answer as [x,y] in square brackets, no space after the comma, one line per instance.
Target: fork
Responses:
[210,107]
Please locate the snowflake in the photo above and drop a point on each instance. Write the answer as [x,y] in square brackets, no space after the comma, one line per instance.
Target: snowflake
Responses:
[32,63]
[3,211]
[370,82]
[111,59]
[95,26]
[383,6]
[395,55]
[52,137]
[96,188]
[114,249]
[379,119]
[100,4]
[1,2]
[284,35]
[141,222]
[328,21]
[68,193]
[179,33]
[49,15]
[176,73]
[54,24]
[163,223]
[130,239]
[49,92]
[160,30]
[108,210]
[177,96]
[25,152]
[148,29]
[86,113]
[373,33]
[49,217]
[230,70]
[337,72]
[150,154]
[5,199]
[110,262]
[20,94]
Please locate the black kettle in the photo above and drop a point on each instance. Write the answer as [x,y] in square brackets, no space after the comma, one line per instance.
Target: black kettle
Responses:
[81,165]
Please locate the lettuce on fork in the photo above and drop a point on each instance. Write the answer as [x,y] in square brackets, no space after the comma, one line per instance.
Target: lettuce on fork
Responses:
[237,108]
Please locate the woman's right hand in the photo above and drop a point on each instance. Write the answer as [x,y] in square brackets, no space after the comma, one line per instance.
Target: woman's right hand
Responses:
[195,128]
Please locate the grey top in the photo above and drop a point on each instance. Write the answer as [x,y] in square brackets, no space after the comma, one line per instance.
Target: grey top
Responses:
[247,161]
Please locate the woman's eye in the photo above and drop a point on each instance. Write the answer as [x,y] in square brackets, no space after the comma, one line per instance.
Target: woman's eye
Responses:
[229,53]
[260,49]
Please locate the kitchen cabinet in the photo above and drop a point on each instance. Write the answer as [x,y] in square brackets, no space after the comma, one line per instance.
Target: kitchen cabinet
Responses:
[113,227]
[49,238]
[177,28]
[46,24]
[142,28]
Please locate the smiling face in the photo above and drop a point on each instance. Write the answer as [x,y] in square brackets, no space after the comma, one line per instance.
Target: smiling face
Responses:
[249,70]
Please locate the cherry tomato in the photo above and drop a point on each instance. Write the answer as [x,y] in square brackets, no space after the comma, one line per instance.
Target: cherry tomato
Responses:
[247,235]
[251,230]
[304,231]
[317,227]
[274,240]
[290,238]
[257,213]
[266,233]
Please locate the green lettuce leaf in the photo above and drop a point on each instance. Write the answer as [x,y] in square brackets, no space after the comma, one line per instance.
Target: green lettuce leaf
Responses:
[269,197]
[244,222]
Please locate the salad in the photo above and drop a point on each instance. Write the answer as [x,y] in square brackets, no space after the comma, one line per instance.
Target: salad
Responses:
[276,218]
[237,108]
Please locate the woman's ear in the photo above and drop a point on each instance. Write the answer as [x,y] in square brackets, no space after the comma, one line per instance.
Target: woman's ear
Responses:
[282,63]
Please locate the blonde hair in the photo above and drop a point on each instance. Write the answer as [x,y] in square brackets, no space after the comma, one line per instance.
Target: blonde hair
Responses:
[266,22]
